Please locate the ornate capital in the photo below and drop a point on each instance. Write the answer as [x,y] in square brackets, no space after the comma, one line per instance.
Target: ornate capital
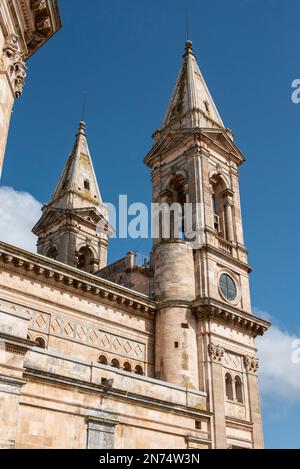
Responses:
[216,352]
[251,364]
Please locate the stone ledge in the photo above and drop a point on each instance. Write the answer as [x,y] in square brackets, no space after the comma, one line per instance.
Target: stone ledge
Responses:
[116,393]
[94,365]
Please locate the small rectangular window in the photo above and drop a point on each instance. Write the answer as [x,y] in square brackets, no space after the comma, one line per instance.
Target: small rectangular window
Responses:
[176,345]
[198,425]
[184,325]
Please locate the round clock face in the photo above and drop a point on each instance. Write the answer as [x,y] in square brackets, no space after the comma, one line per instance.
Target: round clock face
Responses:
[228,287]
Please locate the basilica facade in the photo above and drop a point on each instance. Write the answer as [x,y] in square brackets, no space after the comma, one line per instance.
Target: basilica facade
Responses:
[156,354]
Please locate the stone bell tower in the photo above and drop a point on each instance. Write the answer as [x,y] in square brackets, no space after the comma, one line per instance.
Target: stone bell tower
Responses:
[74,227]
[205,329]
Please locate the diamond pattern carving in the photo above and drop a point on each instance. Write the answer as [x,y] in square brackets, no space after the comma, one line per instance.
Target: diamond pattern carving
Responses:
[68,329]
[85,333]
[81,333]
[40,321]
[237,362]
[55,326]
[127,347]
[93,336]
[116,344]
[138,350]
[105,340]
[233,361]
[227,358]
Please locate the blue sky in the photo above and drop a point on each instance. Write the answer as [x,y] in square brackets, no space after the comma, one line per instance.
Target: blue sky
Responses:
[126,55]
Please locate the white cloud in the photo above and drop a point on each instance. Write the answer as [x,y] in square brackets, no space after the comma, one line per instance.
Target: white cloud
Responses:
[19,212]
[279,370]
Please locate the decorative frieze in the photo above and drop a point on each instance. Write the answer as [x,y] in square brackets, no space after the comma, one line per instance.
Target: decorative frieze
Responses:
[216,352]
[251,364]
[233,361]
[87,334]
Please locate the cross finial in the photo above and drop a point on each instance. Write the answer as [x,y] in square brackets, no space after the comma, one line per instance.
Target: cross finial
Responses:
[187,24]
[84,106]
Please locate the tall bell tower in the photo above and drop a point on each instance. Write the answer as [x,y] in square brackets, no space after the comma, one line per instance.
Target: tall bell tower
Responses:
[205,328]
[74,227]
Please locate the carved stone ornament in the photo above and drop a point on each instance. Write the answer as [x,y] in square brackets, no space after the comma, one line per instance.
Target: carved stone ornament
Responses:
[216,352]
[13,64]
[251,364]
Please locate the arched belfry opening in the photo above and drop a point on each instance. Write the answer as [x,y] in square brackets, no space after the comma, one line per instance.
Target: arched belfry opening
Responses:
[239,389]
[222,208]
[52,253]
[176,199]
[218,187]
[177,187]
[86,259]
[229,386]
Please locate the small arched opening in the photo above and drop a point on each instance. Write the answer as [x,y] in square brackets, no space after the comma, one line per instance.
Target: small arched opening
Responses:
[87,185]
[229,387]
[139,370]
[239,389]
[115,363]
[102,360]
[222,207]
[40,342]
[127,367]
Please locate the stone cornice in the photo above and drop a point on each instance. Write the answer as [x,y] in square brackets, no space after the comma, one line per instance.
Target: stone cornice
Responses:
[201,138]
[47,270]
[33,22]
[46,20]
[211,309]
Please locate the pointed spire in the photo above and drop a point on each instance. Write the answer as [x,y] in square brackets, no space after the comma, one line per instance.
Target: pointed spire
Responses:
[191,104]
[74,226]
[78,185]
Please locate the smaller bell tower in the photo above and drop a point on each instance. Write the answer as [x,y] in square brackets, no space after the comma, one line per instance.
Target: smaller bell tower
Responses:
[74,227]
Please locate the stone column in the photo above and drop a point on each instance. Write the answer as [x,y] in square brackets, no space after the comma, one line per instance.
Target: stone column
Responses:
[251,365]
[228,215]
[217,389]
[198,169]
